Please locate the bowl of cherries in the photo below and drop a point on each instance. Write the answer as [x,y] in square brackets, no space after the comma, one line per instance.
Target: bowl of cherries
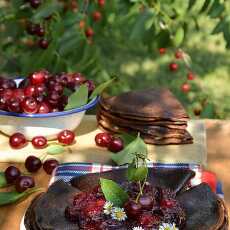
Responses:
[39,104]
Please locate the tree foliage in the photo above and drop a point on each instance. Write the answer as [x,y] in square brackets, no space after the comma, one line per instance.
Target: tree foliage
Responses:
[151,23]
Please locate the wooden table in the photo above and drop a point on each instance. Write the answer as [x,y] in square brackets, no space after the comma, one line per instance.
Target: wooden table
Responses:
[218,145]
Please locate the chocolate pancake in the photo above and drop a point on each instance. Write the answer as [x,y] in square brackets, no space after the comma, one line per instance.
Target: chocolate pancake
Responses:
[155,131]
[155,104]
[124,121]
[187,138]
[46,212]
[202,207]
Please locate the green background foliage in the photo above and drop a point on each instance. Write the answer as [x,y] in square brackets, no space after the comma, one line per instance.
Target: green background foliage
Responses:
[125,43]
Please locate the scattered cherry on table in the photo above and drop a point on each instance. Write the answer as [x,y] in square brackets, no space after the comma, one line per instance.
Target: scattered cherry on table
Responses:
[39,142]
[22,183]
[103,139]
[17,140]
[33,163]
[49,165]
[11,174]
[116,144]
[66,137]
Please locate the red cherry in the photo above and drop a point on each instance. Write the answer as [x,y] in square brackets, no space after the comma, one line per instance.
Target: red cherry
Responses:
[179,54]
[44,107]
[146,202]
[78,78]
[116,145]
[167,203]
[11,174]
[89,32]
[31,28]
[132,209]
[33,164]
[35,3]
[37,78]
[97,16]
[103,139]
[29,105]
[30,91]
[66,137]
[49,165]
[19,93]
[39,142]
[40,31]
[148,220]
[173,66]
[13,105]
[162,50]
[17,141]
[23,183]
[7,94]
[190,76]
[43,43]
[101,3]
[185,87]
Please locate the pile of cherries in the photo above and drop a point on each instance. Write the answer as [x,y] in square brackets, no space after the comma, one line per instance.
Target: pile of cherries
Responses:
[23,182]
[41,92]
[107,140]
[18,140]
[154,207]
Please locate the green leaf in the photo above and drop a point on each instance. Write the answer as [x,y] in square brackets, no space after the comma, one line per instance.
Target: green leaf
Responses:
[216,9]
[113,192]
[78,98]
[47,9]
[191,4]
[99,89]
[208,111]
[127,138]
[137,174]
[127,155]
[3,182]
[178,37]
[55,149]
[12,197]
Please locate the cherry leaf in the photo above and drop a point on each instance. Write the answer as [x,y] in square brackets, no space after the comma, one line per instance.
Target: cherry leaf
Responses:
[3,182]
[55,149]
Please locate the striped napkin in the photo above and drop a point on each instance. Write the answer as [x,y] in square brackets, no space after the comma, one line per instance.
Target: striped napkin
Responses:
[67,171]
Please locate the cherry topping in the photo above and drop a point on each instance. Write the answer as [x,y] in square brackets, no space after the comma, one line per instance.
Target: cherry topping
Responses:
[33,164]
[148,220]
[39,142]
[66,137]
[49,165]
[17,141]
[132,208]
[103,139]
[116,145]
[146,202]
[11,174]
[29,105]
[23,183]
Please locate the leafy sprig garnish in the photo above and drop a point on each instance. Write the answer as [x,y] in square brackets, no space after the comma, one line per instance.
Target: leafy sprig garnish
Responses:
[134,154]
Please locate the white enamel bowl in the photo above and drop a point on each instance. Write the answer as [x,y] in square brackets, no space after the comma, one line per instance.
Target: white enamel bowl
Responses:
[47,125]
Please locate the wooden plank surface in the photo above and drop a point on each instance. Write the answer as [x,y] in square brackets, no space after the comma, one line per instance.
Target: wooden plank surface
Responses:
[218,145]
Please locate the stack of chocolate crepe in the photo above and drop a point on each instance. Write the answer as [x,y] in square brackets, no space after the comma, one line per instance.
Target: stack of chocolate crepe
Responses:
[155,113]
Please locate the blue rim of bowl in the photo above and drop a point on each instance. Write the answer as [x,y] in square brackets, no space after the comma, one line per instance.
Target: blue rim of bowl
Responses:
[87,106]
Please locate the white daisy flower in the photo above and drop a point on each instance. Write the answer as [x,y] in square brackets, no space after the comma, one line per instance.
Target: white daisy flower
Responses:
[166,226]
[138,228]
[118,214]
[108,207]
